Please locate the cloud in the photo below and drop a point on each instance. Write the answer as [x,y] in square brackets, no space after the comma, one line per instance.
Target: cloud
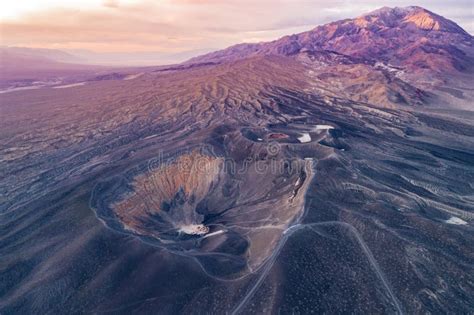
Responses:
[111,3]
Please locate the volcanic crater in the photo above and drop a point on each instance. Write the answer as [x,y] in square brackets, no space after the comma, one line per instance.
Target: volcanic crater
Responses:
[226,209]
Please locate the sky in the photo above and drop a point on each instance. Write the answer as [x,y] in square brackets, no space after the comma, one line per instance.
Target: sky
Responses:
[180,26]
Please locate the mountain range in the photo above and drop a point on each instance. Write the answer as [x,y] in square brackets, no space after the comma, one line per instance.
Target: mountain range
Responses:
[402,52]
[404,56]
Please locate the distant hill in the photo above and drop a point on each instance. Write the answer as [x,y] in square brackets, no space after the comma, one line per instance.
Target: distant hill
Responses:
[21,57]
[19,63]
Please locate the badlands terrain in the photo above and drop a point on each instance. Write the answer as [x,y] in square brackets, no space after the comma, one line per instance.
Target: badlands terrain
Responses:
[329,171]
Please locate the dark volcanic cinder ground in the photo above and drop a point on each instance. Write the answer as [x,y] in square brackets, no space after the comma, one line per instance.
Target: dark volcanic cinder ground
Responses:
[376,215]
[270,184]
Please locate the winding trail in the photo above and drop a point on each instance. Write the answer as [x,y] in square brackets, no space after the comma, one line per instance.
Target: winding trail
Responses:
[289,232]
